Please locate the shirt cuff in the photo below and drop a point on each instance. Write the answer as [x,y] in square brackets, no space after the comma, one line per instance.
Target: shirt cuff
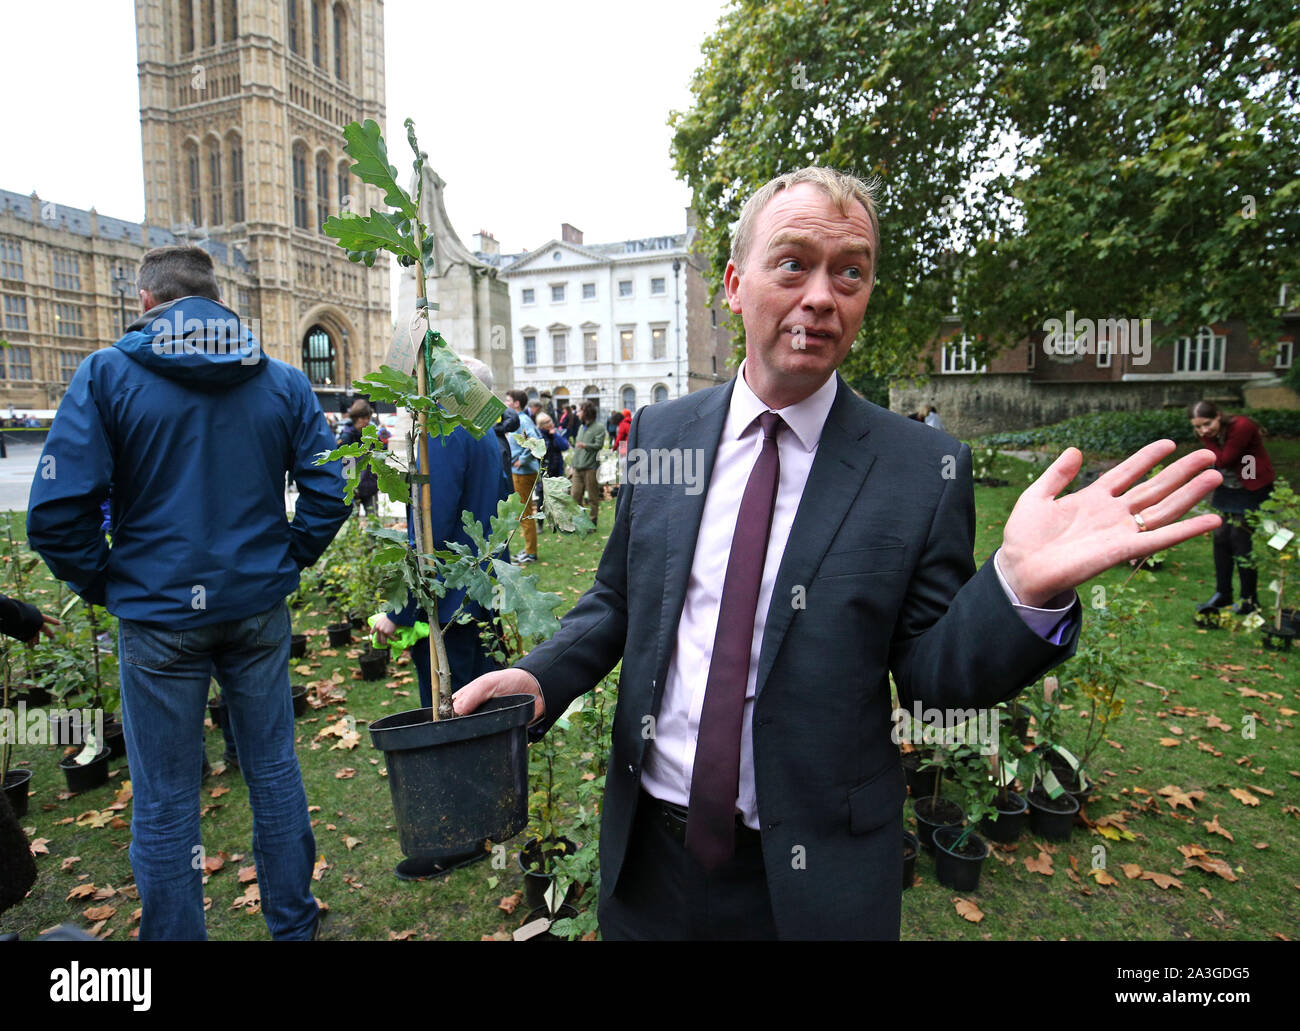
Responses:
[1049,622]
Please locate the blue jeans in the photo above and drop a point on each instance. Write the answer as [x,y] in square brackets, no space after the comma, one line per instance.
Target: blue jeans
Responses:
[165,677]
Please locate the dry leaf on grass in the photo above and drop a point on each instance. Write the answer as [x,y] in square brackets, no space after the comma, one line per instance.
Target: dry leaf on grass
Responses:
[1131,870]
[1162,880]
[1243,796]
[80,892]
[99,913]
[1214,827]
[509,902]
[968,910]
[247,873]
[38,847]
[1041,864]
[1102,877]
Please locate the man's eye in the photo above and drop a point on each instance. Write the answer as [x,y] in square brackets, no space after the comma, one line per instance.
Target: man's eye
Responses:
[790,262]
[853,272]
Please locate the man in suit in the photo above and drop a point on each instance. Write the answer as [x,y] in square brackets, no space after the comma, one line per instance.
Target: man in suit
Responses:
[753,787]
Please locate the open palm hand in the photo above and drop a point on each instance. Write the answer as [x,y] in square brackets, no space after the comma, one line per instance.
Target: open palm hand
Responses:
[1051,545]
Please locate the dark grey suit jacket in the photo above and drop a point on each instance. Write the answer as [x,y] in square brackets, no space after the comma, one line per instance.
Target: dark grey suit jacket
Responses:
[882,545]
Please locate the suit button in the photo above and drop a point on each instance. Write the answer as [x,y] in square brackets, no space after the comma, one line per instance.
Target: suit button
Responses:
[631,768]
[774,824]
[765,721]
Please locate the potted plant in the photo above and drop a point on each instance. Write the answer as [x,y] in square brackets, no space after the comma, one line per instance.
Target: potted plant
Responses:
[456,781]
[1010,812]
[546,843]
[959,852]
[14,782]
[933,810]
[1275,525]
[1051,808]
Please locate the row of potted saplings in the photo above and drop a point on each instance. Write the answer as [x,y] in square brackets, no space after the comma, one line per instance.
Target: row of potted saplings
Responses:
[959,794]
[76,673]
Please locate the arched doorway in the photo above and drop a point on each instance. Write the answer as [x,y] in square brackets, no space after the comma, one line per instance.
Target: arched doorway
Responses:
[318,356]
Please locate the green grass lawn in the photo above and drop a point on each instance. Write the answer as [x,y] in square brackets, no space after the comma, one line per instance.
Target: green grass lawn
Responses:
[1231,676]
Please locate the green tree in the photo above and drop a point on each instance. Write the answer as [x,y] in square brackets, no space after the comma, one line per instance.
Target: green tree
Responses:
[895,91]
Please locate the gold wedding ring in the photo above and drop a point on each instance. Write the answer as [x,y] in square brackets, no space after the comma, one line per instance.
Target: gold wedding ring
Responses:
[1142,523]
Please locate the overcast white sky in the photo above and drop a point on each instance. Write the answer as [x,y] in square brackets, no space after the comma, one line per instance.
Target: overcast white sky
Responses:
[535,113]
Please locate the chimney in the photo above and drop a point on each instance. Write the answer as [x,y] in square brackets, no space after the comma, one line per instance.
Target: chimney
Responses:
[570,235]
[486,243]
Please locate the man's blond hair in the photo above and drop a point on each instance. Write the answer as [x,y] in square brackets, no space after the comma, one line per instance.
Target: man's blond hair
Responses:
[841,188]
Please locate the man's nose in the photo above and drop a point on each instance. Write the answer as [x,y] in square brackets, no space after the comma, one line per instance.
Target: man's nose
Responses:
[817,294]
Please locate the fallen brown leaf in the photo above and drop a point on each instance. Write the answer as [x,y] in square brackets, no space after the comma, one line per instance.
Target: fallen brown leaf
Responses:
[968,910]
[1243,796]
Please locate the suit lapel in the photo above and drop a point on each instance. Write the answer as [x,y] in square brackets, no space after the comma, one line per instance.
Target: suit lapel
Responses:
[702,430]
[834,481]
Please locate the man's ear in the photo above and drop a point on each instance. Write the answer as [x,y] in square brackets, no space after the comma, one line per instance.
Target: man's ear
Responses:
[147,303]
[731,283]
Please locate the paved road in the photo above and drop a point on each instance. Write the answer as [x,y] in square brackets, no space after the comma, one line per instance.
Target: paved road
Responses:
[16,474]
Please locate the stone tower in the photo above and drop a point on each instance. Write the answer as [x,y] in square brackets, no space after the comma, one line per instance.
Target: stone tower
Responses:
[242,105]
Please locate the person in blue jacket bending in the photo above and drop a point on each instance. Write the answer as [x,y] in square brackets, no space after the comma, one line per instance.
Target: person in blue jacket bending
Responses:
[203,558]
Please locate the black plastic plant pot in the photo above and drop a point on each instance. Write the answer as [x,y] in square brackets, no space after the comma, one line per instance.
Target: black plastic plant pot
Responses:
[959,870]
[920,782]
[944,814]
[35,696]
[911,846]
[1012,818]
[357,622]
[85,777]
[1207,620]
[340,634]
[565,912]
[15,786]
[374,664]
[457,783]
[217,710]
[299,702]
[1291,620]
[536,883]
[1052,818]
[1276,640]
[66,729]
[297,646]
[115,738]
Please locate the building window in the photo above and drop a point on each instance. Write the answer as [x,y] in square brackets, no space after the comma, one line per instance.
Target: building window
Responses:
[67,320]
[293,26]
[560,348]
[245,303]
[196,197]
[11,259]
[1031,360]
[15,312]
[527,296]
[1201,353]
[68,362]
[625,288]
[660,393]
[187,25]
[231,20]
[322,189]
[340,42]
[317,31]
[20,363]
[1104,349]
[627,343]
[67,271]
[589,347]
[214,182]
[300,186]
[557,294]
[629,398]
[658,287]
[318,356]
[530,350]
[958,359]
[659,342]
[208,11]
[345,186]
[588,291]
[714,313]
[1285,354]
[236,179]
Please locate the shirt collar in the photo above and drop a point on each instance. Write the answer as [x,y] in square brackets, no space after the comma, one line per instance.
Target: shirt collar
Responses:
[805,419]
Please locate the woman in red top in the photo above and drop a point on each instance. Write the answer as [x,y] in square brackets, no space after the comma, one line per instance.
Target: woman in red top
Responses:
[623,428]
[1247,482]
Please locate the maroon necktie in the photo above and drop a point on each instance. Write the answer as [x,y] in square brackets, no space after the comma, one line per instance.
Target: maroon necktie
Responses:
[715,781]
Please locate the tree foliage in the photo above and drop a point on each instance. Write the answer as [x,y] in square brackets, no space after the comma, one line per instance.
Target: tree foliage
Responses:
[1032,157]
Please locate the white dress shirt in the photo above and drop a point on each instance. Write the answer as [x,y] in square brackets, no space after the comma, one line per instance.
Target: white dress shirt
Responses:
[670,754]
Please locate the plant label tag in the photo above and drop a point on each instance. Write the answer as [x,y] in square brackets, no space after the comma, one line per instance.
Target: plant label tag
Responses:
[532,929]
[406,341]
[1280,539]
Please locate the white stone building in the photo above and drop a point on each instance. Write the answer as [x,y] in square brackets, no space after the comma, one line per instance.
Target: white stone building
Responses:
[601,321]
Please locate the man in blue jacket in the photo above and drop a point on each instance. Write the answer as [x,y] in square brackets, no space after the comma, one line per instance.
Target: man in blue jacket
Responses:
[193,429]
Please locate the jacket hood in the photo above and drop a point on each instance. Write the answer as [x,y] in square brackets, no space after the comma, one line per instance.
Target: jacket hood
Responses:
[195,341]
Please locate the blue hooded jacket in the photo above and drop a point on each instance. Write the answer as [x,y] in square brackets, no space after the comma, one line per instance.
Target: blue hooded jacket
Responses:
[193,428]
